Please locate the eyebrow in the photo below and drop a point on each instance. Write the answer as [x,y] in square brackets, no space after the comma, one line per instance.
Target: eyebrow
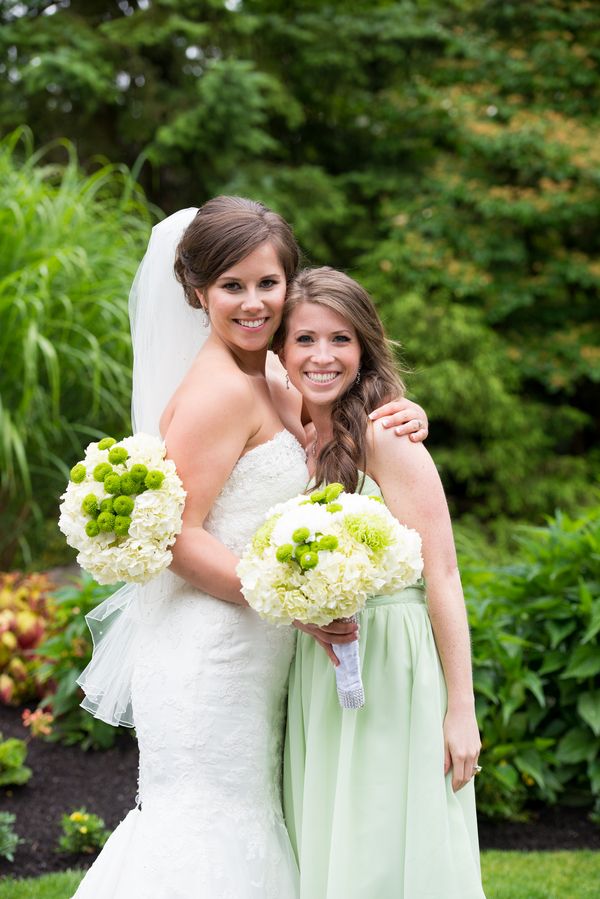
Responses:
[226,277]
[308,331]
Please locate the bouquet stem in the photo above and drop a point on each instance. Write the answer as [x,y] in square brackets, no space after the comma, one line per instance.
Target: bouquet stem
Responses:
[350,689]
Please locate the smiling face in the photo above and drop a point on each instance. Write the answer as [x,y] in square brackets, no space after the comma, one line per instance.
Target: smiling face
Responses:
[321,353]
[245,302]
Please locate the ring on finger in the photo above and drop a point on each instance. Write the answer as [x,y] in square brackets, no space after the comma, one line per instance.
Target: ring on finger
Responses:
[419,424]
[477,769]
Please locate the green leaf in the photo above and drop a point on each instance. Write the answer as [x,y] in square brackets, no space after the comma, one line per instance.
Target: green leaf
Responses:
[576,746]
[588,706]
[585,662]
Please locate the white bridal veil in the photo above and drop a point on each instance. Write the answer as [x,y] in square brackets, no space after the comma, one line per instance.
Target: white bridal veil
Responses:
[166,334]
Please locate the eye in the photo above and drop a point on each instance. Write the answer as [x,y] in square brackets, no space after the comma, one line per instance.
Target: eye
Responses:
[304,338]
[267,283]
[231,285]
[341,338]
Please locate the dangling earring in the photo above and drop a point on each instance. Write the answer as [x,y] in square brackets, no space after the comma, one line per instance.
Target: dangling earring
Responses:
[205,318]
[287,381]
[357,380]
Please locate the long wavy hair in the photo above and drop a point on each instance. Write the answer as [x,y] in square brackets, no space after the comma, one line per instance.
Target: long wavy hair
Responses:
[346,453]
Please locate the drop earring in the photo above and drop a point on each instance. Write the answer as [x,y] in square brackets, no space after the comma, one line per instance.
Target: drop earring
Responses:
[287,381]
[357,379]
[205,318]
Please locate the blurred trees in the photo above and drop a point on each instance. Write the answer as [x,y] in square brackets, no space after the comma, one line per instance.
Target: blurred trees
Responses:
[445,153]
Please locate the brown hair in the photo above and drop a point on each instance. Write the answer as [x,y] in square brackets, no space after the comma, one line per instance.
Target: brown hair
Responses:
[341,458]
[224,231]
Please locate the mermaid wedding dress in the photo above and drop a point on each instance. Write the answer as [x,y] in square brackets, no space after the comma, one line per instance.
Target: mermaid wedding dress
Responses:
[208,692]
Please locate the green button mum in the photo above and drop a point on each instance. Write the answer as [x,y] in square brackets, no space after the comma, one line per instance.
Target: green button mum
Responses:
[138,471]
[78,473]
[112,484]
[308,560]
[101,471]
[118,455]
[92,529]
[154,479]
[284,552]
[106,443]
[106,505]
[90,504]
[300,535]
[332,491]
[106,521]
[129,485]
[123,505]
[328,542]
[122,523]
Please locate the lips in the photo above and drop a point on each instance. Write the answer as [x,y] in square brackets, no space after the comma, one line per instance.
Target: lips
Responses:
[251,324]
[325,377]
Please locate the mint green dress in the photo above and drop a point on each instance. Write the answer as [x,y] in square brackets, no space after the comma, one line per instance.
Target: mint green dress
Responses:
[368,809]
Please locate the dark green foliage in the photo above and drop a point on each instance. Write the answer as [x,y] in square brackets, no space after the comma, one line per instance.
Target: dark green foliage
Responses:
[445,153]
[65,656]
[13,770]
[9,840]
[535,628]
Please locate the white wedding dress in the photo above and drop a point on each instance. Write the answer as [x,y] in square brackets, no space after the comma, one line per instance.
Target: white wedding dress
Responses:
[209,686]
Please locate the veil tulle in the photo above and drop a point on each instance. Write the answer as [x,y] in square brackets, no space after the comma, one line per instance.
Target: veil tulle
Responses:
[166,334]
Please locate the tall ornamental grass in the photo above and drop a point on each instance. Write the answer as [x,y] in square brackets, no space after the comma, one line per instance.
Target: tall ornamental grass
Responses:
[69,246]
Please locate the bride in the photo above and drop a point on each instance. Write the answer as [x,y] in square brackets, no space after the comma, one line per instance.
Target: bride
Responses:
[207,677]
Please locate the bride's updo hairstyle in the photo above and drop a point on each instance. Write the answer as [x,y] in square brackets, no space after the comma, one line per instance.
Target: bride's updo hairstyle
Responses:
[224,231]
[345,455]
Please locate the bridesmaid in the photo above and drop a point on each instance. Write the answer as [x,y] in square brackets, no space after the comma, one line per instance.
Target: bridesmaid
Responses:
[378,802]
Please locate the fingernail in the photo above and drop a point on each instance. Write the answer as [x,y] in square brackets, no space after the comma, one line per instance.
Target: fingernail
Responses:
[371,415]
[385,422]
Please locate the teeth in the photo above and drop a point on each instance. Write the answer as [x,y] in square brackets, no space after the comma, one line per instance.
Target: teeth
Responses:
[321,378]
[251,322]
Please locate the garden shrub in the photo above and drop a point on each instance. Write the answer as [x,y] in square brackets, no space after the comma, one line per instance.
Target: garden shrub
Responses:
[535,626]
[9,840]
[13,753]
[82,832]
[26,614]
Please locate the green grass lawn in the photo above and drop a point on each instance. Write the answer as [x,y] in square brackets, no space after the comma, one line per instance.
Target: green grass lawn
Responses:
[506,875]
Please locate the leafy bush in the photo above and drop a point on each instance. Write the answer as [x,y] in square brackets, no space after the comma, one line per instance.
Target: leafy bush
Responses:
[64,655]
[26,612]
[70,248]
[13,753]
[82,832]
[535,626]
[9,840]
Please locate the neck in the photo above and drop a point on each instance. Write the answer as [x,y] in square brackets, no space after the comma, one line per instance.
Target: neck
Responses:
[321,419]
[251,363]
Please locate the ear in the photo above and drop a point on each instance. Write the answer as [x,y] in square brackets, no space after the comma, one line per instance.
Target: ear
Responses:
[202,298]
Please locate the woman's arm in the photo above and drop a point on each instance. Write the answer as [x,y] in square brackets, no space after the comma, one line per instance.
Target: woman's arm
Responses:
[205,445]
[413,491]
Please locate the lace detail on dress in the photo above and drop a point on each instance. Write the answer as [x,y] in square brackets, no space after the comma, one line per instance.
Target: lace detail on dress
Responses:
[209,689]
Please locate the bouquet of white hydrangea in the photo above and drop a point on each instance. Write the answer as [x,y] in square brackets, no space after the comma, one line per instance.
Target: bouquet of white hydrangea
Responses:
[318,557]
[122,509]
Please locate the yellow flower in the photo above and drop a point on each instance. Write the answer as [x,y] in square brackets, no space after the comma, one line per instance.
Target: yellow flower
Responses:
[77,816]
[83,830]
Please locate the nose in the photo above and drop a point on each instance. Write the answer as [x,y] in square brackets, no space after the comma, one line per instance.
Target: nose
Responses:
[252,301]
[322,354]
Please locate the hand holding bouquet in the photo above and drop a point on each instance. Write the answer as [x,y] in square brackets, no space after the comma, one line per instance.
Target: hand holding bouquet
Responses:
[122,509]
[319,557]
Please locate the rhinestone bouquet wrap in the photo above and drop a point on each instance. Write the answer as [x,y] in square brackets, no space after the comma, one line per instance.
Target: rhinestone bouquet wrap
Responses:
[319,557]
[122,509]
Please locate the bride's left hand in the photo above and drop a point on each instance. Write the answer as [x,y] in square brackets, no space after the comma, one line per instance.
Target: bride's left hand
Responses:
[462,745]
[338,631]
[405,417]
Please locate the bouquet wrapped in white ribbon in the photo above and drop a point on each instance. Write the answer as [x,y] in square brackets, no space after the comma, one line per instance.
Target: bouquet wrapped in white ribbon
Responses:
[318,557]
[122,509]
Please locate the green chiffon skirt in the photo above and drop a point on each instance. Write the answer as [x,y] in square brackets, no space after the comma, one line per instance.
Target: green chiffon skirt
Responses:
[369,811]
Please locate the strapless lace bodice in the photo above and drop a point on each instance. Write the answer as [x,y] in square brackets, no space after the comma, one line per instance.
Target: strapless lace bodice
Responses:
[270,473]
[208,692]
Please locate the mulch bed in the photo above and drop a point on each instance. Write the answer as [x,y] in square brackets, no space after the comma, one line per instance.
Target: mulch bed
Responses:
[66,778]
